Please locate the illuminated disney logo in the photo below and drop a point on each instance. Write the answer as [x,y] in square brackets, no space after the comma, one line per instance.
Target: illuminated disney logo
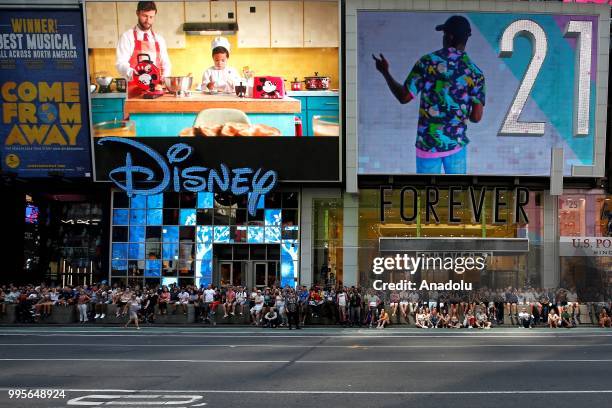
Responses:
[194,179]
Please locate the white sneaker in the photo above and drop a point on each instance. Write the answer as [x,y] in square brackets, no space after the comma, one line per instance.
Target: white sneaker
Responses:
[102,316]
[97,315]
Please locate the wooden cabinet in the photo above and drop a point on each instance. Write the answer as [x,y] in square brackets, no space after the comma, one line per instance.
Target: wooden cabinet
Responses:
[169,23]
[223,11]
[253,24]
[320,24]
[126,16]
[197,11]
[286,24]
[101,25]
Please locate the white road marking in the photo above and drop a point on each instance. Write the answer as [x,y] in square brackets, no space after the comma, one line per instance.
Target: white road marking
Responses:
[352,346]
[492,392]
[234,336]
[135,400]
[120,360]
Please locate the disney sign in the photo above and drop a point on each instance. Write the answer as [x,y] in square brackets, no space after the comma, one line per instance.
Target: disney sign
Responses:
[136,179]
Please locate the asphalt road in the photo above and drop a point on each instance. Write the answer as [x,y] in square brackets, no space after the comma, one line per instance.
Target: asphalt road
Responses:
[247,367]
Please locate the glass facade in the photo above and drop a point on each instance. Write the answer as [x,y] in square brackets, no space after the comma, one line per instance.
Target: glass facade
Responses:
[501,270]
[585,230]
[328,219]
[172,237]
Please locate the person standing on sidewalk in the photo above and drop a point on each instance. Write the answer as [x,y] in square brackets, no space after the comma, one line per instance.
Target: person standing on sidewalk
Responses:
[82,302]
[292,308]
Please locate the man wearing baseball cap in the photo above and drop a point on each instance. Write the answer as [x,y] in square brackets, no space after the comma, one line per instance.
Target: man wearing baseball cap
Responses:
[452,91]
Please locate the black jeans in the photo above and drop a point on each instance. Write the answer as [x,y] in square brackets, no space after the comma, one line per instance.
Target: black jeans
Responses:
[293,318]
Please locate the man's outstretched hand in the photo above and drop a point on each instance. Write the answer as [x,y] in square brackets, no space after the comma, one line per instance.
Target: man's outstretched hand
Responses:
[382,65]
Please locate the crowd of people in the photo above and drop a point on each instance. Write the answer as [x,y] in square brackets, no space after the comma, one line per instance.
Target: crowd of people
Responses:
[292,308]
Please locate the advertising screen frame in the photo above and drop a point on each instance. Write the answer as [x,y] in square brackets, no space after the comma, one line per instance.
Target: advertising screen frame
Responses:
[74,6]
[269,161]
[352,7]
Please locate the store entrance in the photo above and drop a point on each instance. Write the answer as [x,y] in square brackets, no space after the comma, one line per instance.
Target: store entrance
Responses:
[259,274]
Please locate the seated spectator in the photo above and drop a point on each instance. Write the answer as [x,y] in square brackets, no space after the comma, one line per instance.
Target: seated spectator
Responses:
[383,320]
[315,302]
[2,302]
[241,299]
[174,299]
[271,318]
[554,319]
[470,319]
[230,302]
[454,322]
[394,302]
[604,318]
[183,301]
[525,319]
[482,320]
[434,318]
[444,319]
[256,310]
[422,320]
[566,318]
[150,301]
[164,299]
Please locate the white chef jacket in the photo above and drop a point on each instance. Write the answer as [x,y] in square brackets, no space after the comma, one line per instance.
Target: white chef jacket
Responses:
[225,79]
[125,49]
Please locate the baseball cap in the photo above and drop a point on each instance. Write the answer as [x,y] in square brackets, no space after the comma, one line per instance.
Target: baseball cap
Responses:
[457,25]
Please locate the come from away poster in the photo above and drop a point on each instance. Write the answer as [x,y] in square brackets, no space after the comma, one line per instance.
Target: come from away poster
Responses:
[44,128]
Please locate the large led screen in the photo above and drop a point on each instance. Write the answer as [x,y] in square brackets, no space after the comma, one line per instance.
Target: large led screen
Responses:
[521,85]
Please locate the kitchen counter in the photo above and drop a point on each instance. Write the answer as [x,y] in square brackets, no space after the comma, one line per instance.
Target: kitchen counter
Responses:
[198,102]
[109,95]
[312,93]
[168,115]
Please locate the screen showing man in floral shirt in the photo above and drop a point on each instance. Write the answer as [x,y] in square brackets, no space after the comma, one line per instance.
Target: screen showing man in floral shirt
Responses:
[452,91]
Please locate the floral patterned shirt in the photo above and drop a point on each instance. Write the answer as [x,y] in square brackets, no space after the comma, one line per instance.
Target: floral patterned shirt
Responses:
[449,83]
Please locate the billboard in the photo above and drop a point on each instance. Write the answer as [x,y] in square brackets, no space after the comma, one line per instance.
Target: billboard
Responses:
[158,157]
[44,129]
[496,104]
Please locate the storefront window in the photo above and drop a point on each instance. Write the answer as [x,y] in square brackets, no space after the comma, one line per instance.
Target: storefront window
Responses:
[502,270]
[327,242]
[585,244]
[202,238]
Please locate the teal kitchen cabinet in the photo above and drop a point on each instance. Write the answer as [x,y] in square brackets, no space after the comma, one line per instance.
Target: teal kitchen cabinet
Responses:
[321,103]
[107,107]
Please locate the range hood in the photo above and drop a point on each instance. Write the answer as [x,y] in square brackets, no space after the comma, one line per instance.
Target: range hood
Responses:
[210,28]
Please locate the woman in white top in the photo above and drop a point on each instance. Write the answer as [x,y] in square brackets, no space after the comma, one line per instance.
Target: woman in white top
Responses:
[279,305]
[241,298]
[220,77]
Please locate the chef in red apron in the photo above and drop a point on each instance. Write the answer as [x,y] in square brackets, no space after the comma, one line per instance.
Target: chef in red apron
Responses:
[141,40]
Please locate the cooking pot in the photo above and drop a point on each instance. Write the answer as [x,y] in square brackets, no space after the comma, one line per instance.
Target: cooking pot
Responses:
[317,82]
[104,80]
[296,85]
[178,84]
